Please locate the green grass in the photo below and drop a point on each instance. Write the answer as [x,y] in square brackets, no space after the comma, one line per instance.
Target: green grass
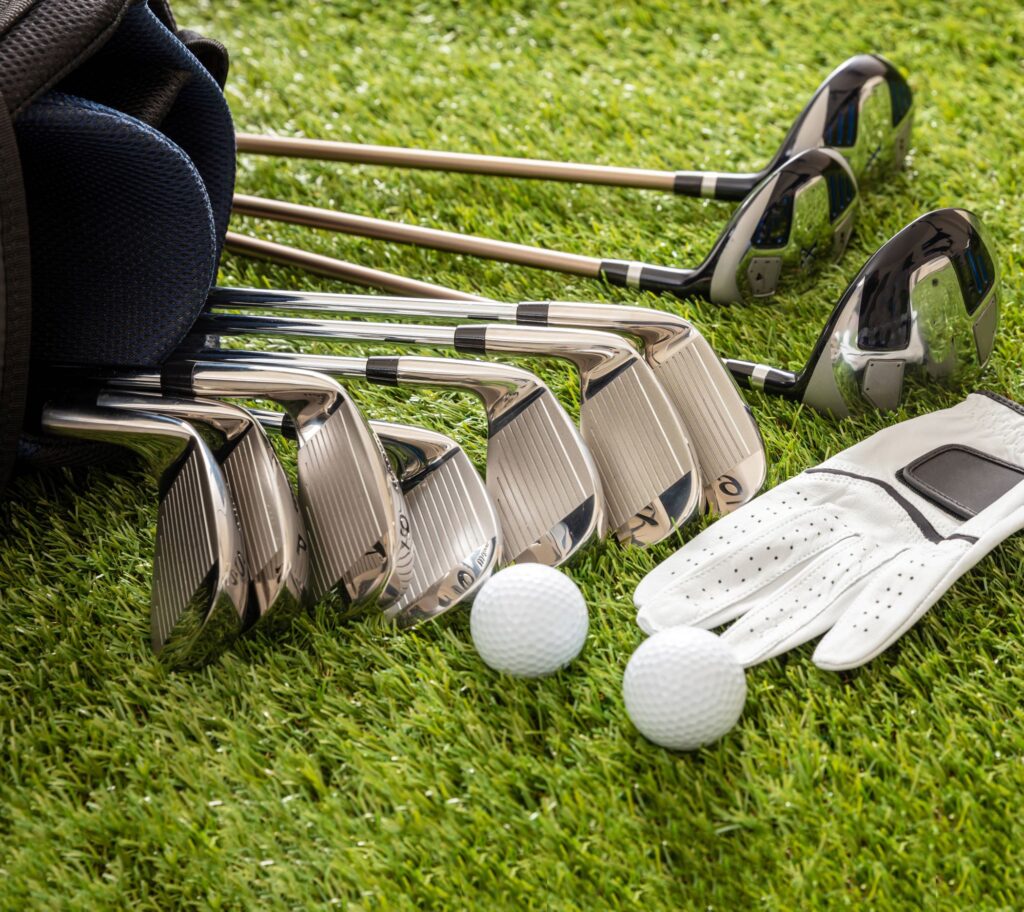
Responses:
[347,764]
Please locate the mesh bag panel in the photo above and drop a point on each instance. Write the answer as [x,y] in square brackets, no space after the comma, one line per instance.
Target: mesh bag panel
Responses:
[123,239]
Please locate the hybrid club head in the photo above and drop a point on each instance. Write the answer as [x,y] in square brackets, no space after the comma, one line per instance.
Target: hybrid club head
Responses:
[723,431]
[541,476]
[276,550]
[648,468]
[924,307]
[798,218]
[200,579]
[347,492]
[454,522]
[865,110]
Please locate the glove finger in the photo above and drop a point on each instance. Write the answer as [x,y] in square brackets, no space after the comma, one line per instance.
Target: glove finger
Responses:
[889,605]
[806,606]
[708,592]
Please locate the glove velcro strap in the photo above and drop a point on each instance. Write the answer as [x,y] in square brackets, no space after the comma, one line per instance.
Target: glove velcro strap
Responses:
[960,480]
[926,528]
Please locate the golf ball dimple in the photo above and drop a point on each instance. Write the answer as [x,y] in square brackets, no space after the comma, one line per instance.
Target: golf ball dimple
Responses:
[684,688]
[528,620]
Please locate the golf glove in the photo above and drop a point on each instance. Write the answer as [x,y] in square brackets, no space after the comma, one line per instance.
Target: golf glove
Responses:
[857,548]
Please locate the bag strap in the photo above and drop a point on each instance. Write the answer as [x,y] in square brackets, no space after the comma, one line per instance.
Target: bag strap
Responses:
[15,295]
[47,39]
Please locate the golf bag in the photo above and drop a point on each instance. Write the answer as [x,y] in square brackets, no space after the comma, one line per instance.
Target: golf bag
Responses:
[117,165]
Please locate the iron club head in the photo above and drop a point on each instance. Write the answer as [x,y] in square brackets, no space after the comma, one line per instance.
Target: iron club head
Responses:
[274,535]
[540,474]
[347,492]
[722,429]
[648,469]
[200,579]
[455,524]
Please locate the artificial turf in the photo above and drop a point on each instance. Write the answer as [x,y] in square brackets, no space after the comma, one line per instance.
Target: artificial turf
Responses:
[347,764]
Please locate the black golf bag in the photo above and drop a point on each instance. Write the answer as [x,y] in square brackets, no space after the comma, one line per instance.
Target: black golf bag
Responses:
[117,165]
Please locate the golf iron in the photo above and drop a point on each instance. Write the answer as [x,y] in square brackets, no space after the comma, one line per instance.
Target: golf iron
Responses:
[540,475]
[454,523]
[349,497]
[273,534]
[647,467]
[728,445]
[863,109]
[200,580]
[800,216]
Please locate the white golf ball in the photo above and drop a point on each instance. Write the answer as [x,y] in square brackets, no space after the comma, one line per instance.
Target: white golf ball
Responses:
[684,688]
[528,620]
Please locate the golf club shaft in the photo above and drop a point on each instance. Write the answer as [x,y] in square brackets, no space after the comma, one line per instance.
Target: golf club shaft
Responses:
[221,299]
[340,269]
[750,375]
[383,230]
[687,183]
[428,160]
[624,273]
[652,326]
[747,373]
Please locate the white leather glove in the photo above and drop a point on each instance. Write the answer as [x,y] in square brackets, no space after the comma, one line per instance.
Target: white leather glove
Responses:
[860,546]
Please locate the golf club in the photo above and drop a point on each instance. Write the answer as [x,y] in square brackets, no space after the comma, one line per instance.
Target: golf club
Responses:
[540,475]
[358,535]
[800,216]
[647,467]
[925,304]
[200,580]
[729,448]
[274,536]
[350,272]
[454,523]
[864,109]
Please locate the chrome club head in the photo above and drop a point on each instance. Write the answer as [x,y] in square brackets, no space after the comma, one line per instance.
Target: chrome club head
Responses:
[721,427]
[276,550]
[925,307]
[540,474]
[648,468]
[200,579]
[798,218]
[865,110]
[347,492]
[454,523]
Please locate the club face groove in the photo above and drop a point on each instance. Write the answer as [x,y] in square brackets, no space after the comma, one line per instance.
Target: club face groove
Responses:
[925,307]
[456,529]
[194,609]
[200,578]
[798,218]
[346,496]
[273,534]
[722,429]
[276,549]
[648,470]
[543,481]
[865,110]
